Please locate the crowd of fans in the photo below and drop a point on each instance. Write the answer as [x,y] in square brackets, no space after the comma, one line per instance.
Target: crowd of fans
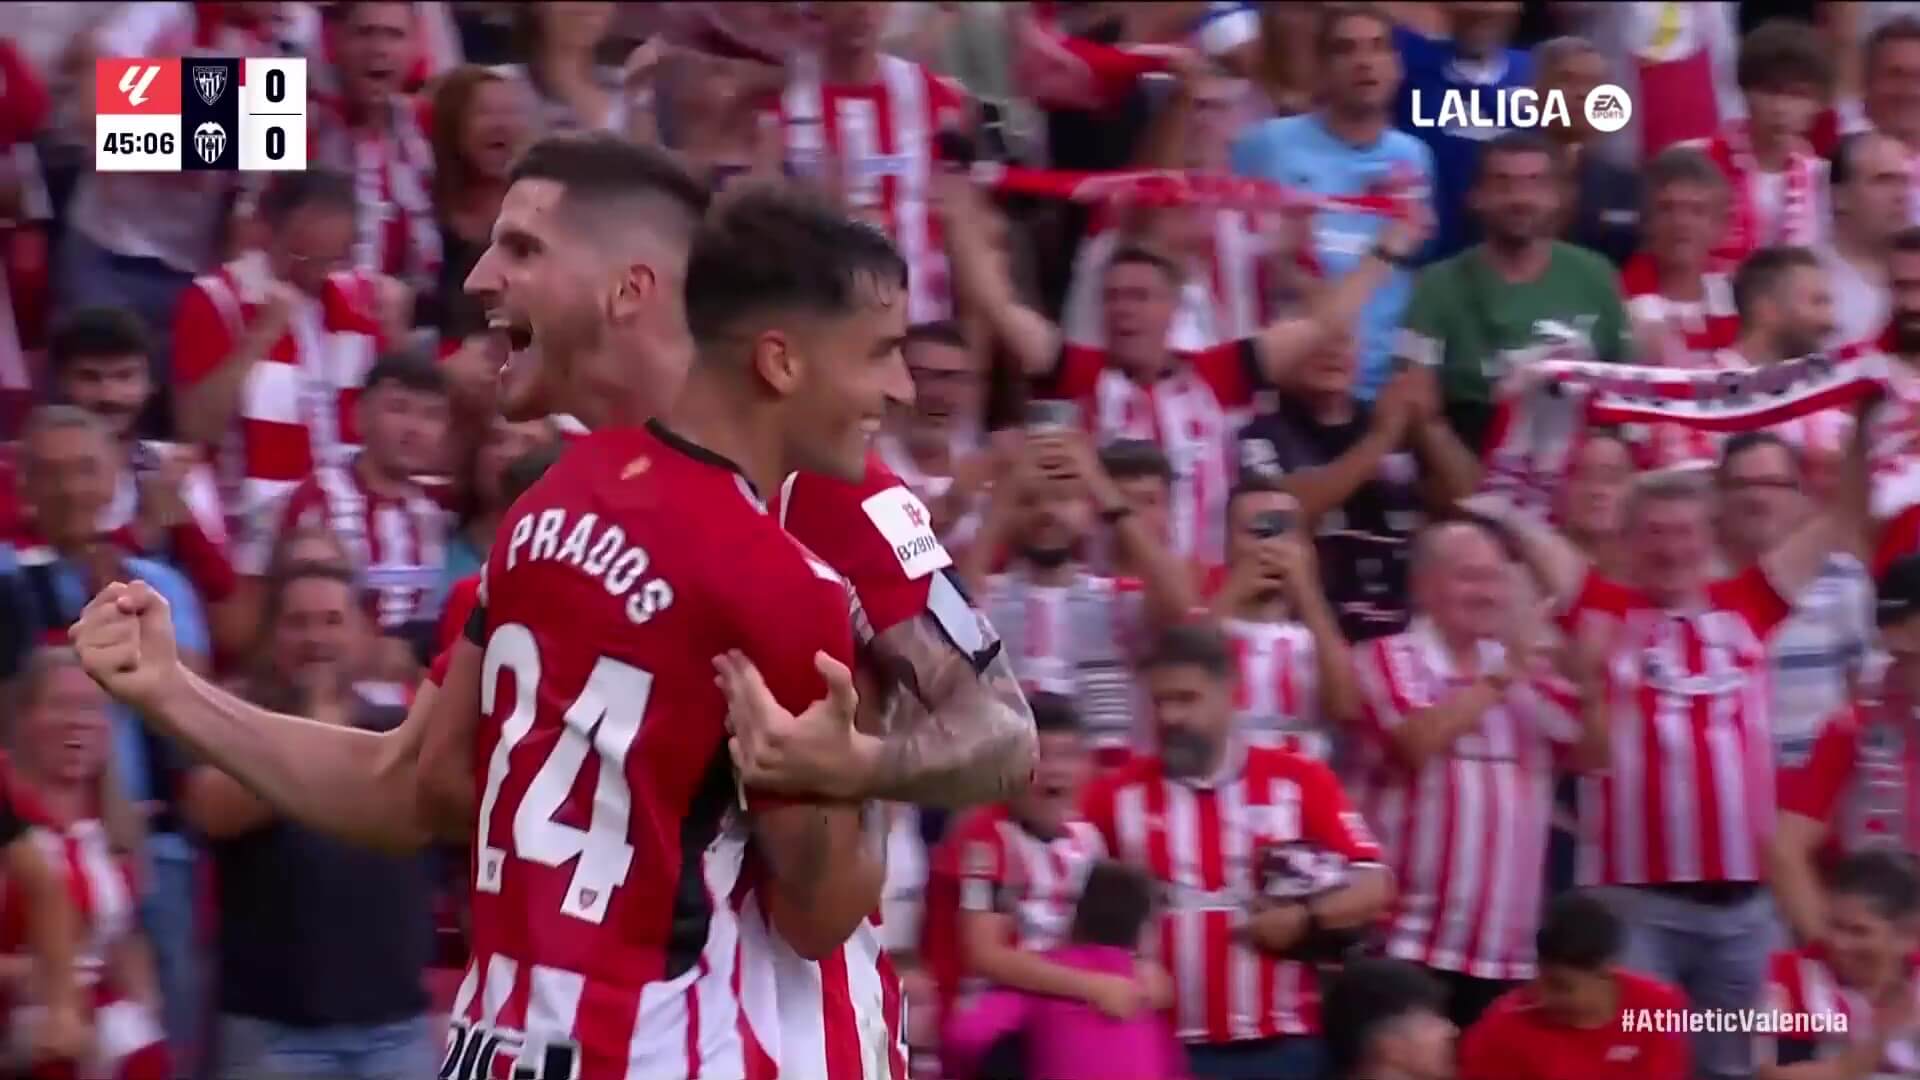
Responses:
[1346,748]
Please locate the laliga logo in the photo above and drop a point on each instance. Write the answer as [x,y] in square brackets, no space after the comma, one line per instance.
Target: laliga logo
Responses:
[1608,108]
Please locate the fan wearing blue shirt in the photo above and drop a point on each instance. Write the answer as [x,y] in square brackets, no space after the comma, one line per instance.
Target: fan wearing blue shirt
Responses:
[1349,147]
[1476,57]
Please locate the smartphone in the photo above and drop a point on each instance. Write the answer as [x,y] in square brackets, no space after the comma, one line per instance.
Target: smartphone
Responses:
[1048,416]
[1272,523]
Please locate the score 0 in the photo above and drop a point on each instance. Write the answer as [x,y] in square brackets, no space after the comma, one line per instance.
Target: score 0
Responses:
[273,115]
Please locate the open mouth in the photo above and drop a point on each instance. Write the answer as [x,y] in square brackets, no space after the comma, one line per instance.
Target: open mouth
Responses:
[518,333]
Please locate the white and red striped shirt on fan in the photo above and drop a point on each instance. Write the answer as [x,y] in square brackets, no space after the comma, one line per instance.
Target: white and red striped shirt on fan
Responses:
[1701,328]
[1202,840]
[1008,868]
[398,543]
[1689,794]
[391,164]
[881,134]
[1192,412]
[1233,299]
[1465,833]
[1803,981]
[1862,779]
[1077,640]
[296,405]
[1276,694]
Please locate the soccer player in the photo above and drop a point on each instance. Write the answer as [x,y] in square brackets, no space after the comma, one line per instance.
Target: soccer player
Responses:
[585,274]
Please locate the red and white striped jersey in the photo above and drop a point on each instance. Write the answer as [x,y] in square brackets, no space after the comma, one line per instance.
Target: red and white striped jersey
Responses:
[1801,981]
[881,134]
[1276,694]
[1689,795]
[1201,840]
[1192,412]
[842,1017]
[1703,327]
[391,164]
[398,543]
[1466,833]
[296,404]
[1862,779]
[1077,640]
[607,848]
[1008,868]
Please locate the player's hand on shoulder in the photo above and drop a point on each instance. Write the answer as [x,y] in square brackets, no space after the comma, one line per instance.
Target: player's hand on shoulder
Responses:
[124,639]
[817,752]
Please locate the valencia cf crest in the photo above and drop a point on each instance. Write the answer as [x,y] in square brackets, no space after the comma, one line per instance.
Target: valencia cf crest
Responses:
[210,82]
[209,139]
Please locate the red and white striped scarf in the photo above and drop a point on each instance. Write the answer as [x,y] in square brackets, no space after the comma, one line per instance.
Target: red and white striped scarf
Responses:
[1536,437]
[1795,222]
[1181,187]
[392,169]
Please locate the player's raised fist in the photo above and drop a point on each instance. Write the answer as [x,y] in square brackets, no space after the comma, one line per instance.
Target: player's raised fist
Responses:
[815,752]
[125,641]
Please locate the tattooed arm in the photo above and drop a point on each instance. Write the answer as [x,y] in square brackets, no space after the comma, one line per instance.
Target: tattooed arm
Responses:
[960,732]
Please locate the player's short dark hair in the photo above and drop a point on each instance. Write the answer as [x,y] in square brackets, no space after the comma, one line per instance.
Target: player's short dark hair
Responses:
[1332,15]
[95,333]
[337,12]
[1745,442]
[1115,902]
[773,250]
[1133,459]
[408,370]
[1513,144]
[1764,270]
[1196,643]
[938,332]
[600,171]
[1142,255]
[1578,931]
[1053,712]
[292,192]
[1781,55]
[524,471]
[1369,995]
[1886,878]
[1892,32]
[1680,165]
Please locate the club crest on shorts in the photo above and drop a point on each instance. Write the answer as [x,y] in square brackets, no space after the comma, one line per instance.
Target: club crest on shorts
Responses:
[210,83]
[209,139]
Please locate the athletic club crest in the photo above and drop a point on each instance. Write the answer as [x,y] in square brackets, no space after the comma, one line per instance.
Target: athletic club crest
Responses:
[209,139]
[211,82]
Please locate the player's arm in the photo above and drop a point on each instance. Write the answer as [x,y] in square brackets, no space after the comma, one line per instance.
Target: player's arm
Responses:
[826,861]
[355,784]
[827,867]
[962,732]
[449,706]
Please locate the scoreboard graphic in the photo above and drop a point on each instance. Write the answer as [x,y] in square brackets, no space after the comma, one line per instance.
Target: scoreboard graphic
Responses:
[200,114]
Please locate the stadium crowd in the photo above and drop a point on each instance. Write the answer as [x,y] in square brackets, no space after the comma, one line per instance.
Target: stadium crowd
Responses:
[1414,698]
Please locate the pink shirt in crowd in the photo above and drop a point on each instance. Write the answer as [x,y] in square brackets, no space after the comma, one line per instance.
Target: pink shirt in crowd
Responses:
[1079,1043]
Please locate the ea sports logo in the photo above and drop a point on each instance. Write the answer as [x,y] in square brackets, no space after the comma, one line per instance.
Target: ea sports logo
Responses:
[1608,108]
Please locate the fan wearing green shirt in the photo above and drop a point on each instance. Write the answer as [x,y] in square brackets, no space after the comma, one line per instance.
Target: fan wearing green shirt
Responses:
[1515,299]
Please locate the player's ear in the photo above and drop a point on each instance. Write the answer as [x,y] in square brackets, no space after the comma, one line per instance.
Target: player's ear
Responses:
[636,288]
[777,361]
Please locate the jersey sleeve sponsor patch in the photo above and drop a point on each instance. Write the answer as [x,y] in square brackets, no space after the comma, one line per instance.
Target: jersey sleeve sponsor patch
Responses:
[907,527]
